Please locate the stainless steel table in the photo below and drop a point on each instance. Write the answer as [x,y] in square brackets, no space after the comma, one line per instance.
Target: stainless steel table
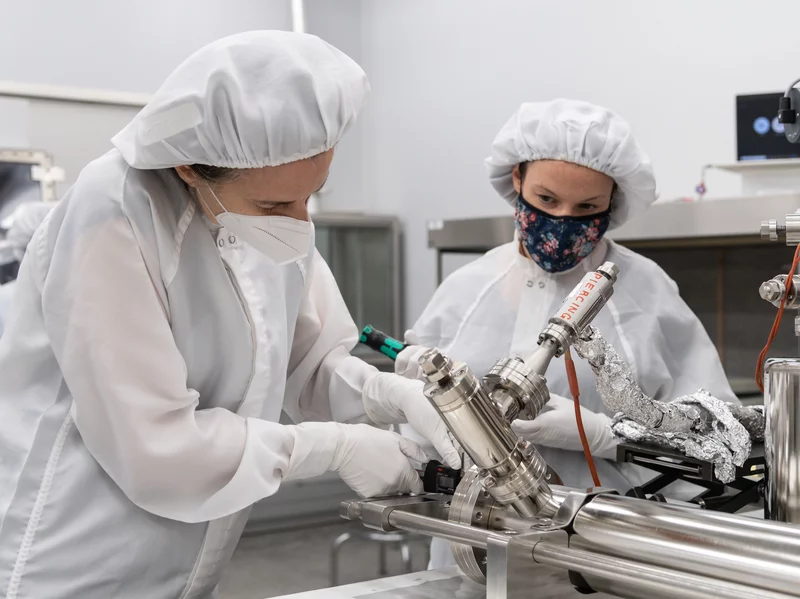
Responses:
[447,583]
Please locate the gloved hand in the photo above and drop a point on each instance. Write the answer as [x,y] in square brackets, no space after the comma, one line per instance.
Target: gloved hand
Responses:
[556,427]
[372,462]
[407,362]
[392,399]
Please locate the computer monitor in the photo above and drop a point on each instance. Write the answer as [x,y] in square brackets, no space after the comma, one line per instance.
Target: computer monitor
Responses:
[759,135]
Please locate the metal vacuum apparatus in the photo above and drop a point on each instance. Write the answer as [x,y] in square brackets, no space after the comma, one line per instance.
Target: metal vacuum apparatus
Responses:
[506,514]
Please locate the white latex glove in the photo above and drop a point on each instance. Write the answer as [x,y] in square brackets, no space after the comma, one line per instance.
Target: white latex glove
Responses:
[555,427]
[391,399]
[372,462]
[407,362]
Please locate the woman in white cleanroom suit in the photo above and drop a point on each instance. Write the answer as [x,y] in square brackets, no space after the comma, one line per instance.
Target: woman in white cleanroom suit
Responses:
[570,171]
[168,308]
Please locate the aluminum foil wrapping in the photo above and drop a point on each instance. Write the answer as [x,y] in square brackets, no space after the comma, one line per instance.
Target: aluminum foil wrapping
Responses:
[699,425]
[621,393]
[726,442]
[752,418]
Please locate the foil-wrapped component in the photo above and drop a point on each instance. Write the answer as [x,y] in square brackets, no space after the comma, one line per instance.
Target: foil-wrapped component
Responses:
[621,393]
[726,442]
[699,425]
[752,418]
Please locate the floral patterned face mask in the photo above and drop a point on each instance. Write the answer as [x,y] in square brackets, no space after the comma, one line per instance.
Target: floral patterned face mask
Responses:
[558,243]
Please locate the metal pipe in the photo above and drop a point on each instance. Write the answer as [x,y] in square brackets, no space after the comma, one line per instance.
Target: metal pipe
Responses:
[581,306]
[782,438]
[627,578]
[513,472]
[540,359]
[736,549]
[443,529]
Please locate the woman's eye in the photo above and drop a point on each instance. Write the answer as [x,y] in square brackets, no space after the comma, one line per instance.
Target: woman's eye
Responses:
[266,209]
[546,199]
[587,207]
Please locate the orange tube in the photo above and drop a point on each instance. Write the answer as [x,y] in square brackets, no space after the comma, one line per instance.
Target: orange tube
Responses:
[572,377]
[776,324]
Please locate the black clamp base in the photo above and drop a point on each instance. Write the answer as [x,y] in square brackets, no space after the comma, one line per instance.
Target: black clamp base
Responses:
[747,488]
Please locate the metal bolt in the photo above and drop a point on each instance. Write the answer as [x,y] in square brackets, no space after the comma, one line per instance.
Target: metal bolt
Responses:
[609,269]
[435,365]
[771,290]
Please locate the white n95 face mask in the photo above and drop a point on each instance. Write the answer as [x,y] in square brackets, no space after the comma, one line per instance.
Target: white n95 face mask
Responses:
[282,239]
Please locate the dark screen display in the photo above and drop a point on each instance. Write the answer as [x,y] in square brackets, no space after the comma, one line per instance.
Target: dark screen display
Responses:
[759,135]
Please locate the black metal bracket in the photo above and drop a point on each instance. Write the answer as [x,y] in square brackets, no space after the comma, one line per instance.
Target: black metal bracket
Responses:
[672,466]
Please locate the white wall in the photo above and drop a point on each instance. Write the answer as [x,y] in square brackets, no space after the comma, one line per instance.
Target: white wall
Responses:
[124,46]
[447,74]
[339,23]
[97,44]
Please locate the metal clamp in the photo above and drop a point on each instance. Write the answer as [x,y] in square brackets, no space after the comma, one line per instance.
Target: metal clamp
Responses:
[517,391]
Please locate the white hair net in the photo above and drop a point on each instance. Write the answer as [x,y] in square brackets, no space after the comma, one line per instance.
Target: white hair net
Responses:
[262,98]
[580,133]
[27,219]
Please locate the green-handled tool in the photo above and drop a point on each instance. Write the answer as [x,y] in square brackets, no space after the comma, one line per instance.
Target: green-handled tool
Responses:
[436,478]
[381,342]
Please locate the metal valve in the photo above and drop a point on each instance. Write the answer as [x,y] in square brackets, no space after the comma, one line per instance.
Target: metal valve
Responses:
[774,291]
[772,231]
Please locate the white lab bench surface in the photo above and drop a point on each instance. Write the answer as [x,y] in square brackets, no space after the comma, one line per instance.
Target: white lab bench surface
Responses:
[446,583]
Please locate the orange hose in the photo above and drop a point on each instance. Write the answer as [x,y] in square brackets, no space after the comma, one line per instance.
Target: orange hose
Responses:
[572,377]
[775,324]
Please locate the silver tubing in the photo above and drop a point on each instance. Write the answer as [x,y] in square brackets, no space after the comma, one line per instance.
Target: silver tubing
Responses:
[627,578]
[442,529]
[782,438]
[743,550]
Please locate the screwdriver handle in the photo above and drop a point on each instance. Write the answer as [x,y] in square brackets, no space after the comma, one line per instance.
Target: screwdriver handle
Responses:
[381,342]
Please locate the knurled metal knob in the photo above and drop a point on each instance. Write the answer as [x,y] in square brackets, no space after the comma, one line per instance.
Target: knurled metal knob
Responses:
[769,230]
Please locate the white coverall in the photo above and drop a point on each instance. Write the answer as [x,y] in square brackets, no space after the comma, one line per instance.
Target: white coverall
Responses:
[496,306]
[147,359]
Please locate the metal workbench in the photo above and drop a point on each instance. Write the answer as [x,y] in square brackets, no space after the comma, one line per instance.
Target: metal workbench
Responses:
[447,583]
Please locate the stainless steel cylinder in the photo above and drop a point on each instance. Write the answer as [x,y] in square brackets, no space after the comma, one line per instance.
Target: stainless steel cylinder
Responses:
[793,228]
[581,306]
[742,550]
[634,580]
[782,438]
[512,471]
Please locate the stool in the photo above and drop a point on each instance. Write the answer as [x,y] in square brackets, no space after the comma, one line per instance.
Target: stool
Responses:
[384,539]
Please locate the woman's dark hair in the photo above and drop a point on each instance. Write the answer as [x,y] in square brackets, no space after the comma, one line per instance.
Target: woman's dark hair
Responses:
[214,174]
